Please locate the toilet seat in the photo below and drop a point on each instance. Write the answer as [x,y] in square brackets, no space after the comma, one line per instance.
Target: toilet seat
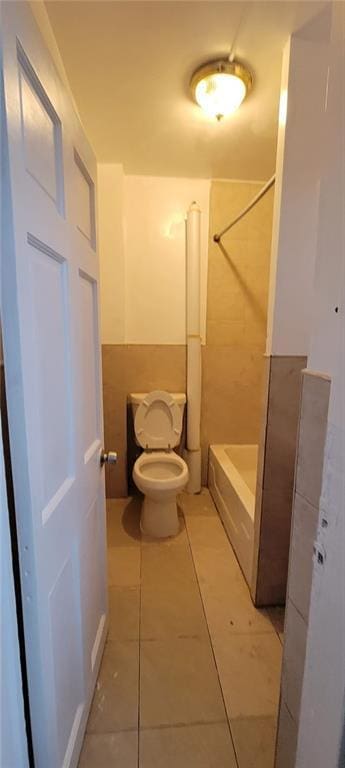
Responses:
[160,471]
[158,422]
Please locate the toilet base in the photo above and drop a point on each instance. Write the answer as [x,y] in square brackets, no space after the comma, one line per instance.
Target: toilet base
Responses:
[159,519]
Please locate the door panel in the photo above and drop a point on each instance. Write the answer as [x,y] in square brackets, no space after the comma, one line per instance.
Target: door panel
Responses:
[91,580]
[39,155]
[52,373]
[52,351]
[63,610]
[89,361]
[41,132]
[85,201]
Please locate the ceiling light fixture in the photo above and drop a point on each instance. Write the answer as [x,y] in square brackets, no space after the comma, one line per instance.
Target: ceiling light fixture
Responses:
[219,87]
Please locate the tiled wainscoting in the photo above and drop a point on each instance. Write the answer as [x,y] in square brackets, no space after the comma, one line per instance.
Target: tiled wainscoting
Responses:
[308,481]
[275,478]
[191,670]
[231,397]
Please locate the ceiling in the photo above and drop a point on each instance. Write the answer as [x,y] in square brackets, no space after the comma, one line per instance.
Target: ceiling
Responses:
[129,65]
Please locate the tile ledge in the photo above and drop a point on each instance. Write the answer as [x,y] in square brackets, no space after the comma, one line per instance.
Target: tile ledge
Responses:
[302,496]
[316,374]
[298,611]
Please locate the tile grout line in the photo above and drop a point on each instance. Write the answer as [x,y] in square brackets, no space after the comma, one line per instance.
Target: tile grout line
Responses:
[211,643]
[191,724]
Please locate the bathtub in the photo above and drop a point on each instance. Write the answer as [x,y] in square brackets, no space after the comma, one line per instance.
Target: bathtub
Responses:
[232,481]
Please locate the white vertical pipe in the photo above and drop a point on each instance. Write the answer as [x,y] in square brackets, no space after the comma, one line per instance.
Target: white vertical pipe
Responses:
[193,453]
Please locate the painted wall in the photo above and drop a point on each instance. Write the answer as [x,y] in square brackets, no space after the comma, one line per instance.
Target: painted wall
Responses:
[111,253]
[298,171]
[141,223]
[39,11]
[154,224]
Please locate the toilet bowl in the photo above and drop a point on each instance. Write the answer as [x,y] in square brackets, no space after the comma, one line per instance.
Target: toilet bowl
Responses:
[159,473]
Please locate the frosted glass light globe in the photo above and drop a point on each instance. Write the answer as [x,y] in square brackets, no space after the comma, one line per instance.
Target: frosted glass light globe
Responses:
[220,87]
[220,94]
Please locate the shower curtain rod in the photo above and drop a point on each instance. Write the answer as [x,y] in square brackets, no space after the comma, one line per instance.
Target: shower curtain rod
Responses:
[217,237]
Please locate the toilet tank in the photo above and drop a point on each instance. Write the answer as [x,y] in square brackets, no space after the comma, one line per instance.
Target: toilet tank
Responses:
[135,398]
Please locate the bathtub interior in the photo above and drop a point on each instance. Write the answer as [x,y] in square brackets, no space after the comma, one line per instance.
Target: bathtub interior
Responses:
[245,460]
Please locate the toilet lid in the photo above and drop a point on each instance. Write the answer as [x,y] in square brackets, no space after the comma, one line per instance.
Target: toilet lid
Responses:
[158,421]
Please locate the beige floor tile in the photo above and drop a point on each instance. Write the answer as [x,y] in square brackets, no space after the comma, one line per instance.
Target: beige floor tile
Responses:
[111,749]
[123,566]
[231,610]
[178,683]
[227,602]
[196,746]
[170,612]
[171,542]
[200,504]
[216,567]
[208,532]
[168,565]
[123,522]
[249,670]
[124,609]
[115,703]
[254,739]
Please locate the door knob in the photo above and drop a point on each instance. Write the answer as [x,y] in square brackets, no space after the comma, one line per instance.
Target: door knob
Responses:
[108,457]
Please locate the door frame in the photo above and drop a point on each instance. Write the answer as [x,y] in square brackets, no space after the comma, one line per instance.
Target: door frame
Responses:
[11,599]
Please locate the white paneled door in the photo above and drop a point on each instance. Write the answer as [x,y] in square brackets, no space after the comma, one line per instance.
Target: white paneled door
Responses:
[50,310]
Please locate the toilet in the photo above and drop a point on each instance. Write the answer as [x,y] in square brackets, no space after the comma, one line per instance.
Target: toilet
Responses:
[159,473]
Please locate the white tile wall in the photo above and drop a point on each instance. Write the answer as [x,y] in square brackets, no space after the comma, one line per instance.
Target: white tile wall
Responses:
[301,554]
